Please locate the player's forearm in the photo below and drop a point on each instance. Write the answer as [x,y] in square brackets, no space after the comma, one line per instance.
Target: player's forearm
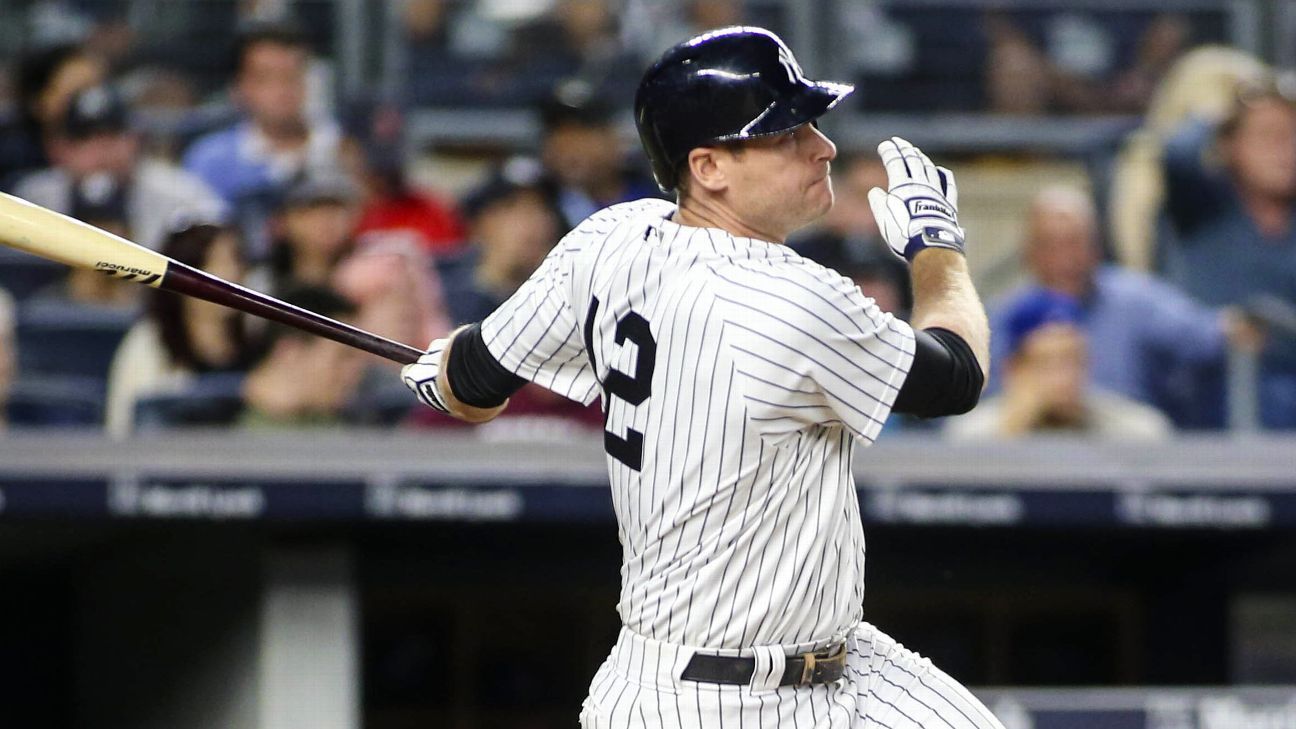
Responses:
[458,408]
[944,297]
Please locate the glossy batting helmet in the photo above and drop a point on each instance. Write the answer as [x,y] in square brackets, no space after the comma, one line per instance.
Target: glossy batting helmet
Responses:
[723,86]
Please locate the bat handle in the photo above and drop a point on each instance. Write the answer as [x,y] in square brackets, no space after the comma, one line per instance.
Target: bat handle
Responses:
[190,281]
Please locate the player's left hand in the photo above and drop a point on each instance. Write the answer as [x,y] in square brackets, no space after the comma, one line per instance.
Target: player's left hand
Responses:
[919,209]
[421,376]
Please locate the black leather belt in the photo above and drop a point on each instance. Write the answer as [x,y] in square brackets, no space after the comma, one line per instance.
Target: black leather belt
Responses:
[803,669]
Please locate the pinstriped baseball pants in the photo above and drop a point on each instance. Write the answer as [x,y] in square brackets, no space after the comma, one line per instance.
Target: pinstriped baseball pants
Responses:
[885,686]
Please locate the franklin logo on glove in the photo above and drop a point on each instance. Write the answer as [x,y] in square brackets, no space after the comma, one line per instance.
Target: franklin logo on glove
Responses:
[927,206]
[919,208]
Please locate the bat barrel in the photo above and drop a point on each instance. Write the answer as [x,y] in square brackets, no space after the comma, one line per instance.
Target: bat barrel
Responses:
[190,281]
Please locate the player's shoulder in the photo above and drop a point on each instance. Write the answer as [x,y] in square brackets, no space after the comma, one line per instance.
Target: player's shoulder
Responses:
[780,269]
[786,284]
[611,226]
[615,216]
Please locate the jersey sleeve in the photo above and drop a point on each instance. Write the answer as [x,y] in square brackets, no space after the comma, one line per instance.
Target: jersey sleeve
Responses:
[809,348]
[535,335]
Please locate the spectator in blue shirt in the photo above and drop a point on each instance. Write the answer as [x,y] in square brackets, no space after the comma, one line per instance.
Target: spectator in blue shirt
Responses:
[1047,387]
[251,163]
[1231,196]
[1146,337]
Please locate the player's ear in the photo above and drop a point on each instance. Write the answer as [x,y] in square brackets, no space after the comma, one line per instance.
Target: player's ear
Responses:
[707,173]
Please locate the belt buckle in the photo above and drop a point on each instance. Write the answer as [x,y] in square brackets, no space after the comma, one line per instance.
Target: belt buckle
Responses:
[807,670]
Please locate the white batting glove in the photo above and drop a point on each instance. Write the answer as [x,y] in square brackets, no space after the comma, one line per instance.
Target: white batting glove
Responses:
[920,207]
[421,376]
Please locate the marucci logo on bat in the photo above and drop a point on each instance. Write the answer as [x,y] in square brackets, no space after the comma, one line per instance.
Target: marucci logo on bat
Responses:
[128,273]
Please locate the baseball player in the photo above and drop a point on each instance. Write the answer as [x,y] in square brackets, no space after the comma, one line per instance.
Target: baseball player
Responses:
[736,379]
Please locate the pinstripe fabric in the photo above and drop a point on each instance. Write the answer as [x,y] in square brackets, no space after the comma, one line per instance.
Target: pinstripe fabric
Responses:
[736,378]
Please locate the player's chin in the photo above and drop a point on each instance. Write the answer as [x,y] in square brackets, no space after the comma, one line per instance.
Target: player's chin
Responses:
[821,196]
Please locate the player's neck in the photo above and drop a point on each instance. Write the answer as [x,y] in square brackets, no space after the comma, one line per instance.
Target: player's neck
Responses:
[699,213]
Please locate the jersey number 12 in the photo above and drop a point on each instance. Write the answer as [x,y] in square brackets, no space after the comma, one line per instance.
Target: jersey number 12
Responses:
[634,390]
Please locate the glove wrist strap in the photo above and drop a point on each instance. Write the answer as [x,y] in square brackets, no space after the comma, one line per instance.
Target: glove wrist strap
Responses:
[932,238]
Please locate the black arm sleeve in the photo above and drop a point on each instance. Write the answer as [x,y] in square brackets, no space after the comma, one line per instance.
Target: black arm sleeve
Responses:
[945,378]
[476,378]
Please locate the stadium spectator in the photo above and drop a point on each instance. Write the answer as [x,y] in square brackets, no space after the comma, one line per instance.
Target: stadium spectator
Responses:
[314,230]
[657,26]
[303,380]
[47,81]
[180,337]
[396,291]
[8,355]
[1079,63]
[453,53]
[1046,382]
[97,154]
[101,202]
[1203,83]
[581,149]
[254,161]
[512,225]
[575,39]
[1147,336]
[1231,195]
[392,209]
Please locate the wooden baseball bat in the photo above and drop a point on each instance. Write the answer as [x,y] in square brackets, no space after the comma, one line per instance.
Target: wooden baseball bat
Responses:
[45,233]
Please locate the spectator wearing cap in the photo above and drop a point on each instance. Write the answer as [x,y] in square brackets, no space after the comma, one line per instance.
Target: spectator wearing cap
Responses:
[1046,384]
[1148,337]
[581,149]
[313,230]
[47,79]
[512,225]
[251,163]
[99,169]
[1231,197]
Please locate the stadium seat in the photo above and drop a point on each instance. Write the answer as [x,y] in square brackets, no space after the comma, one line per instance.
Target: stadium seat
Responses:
[22,274]
[210,400]
[61,338]
[56,401]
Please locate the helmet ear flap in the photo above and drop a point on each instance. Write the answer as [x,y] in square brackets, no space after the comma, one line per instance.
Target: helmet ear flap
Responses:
[664,172]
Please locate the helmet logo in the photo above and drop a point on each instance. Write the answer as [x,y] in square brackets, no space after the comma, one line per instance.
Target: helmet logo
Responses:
[790,65]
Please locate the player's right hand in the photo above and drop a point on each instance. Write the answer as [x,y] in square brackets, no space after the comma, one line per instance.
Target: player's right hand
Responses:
[421,376]
[919,209]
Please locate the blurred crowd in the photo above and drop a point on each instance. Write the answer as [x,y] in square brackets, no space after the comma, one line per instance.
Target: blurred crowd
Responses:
[1154,308]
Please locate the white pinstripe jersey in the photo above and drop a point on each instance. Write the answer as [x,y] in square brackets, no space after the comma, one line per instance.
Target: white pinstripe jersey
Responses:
[736,376]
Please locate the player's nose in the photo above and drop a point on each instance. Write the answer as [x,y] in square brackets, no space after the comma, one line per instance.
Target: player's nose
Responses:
[824,150]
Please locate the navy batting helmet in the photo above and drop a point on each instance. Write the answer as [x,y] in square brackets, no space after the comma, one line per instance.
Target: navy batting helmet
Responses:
[722,86]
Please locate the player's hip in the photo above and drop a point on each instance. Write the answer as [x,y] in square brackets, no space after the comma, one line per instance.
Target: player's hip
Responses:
[652,683]
[643,684]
